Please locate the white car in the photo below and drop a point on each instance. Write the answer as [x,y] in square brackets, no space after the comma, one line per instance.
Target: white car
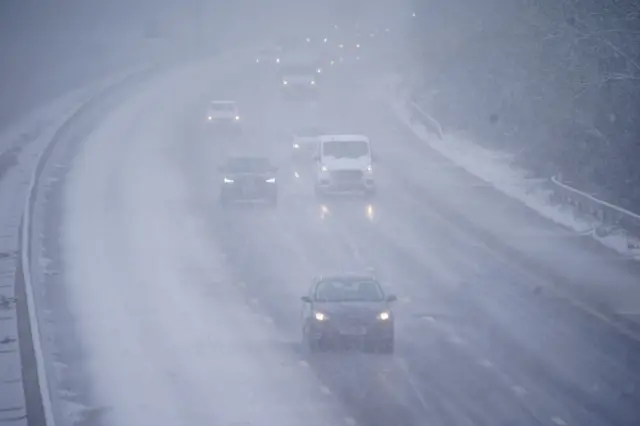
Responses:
[223,113]
[344,165]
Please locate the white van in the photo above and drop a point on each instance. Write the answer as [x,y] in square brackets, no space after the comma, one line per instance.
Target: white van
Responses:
[344,165]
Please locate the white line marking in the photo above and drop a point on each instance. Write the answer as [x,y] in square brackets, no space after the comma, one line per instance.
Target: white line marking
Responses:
[325,390]
[558,421]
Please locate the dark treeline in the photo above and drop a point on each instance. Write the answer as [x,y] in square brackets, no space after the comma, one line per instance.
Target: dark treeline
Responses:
[555,81]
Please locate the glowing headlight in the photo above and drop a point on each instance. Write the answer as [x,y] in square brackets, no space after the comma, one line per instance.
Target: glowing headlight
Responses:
[237,117]
[296,146]
[313,82]
[324,169]
[358,46]
[383,316]
[325,40]
[370,168]
[277,60]
[341,46]
[209,118]
[271,180]
[319,316]
[319,70]
[285,82]
[369,212]
[227,180]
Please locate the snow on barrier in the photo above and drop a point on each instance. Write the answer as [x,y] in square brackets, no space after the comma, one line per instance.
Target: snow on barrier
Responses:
[612,225]
[609,214]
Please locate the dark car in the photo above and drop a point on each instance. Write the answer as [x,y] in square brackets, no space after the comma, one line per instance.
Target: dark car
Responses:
[344,309]
[249,179]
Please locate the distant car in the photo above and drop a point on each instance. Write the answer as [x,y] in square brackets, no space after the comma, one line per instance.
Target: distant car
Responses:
[305,143]
[347,309]
[248,179]
[299,79]
[224,114]
[344,165]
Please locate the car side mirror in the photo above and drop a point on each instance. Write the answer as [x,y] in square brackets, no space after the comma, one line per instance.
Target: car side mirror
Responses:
[392,298]
[306,299]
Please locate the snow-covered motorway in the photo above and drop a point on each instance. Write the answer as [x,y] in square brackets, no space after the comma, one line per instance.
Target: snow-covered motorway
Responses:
[171,311]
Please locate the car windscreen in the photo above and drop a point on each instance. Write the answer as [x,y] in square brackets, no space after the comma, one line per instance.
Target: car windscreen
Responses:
[248,165]
[225,107]
[348,290]
[345,149]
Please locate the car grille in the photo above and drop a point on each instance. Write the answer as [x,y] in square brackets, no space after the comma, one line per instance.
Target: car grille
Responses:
[347,175]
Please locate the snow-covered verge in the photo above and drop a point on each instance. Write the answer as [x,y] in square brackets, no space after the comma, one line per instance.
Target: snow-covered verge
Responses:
[23,144]
[498,169]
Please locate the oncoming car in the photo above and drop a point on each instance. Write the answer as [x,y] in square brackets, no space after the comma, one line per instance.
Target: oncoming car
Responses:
[223,114]
[347,309]
[248,179]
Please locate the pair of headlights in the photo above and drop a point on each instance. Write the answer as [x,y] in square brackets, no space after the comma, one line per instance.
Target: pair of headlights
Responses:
[237,118]
[286,83]
[369,169]
[383,316]
[270,180]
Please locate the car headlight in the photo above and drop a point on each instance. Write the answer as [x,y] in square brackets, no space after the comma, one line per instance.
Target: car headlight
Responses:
[319,70]
[319,316]
[210,118]
[369,168]
[383,316]
[227,180]
[285,82]
[296,146]
[313,82]
[277,60]
[237,118]
[324,169]
[271,180]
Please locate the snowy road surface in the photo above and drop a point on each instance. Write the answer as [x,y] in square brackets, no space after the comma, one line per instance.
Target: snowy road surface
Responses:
[188,314]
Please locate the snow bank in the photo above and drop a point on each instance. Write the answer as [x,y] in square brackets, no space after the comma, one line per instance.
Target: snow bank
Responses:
[497,169]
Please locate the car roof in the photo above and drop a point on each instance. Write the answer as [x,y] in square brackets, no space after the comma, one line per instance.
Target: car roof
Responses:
[344,138]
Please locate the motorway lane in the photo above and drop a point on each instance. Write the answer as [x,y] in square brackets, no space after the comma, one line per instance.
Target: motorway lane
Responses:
[470,334]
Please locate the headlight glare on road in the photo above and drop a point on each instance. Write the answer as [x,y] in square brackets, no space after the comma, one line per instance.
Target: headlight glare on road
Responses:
[383,316]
